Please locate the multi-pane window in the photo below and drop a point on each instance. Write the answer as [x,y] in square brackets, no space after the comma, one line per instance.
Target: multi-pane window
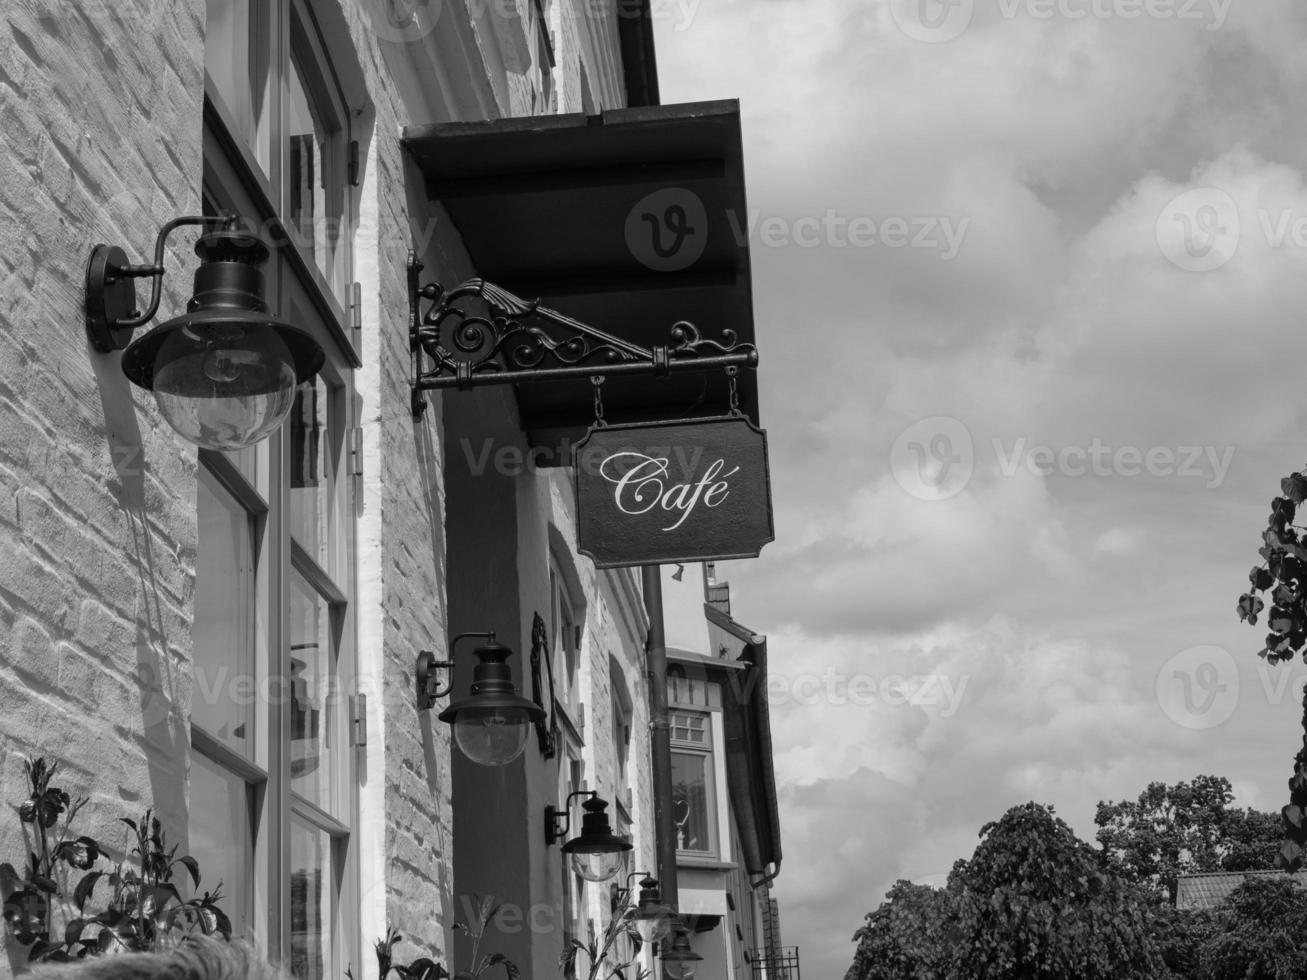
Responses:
[695,709]
[273,776]
[689,727]
[693,809]
[271,83]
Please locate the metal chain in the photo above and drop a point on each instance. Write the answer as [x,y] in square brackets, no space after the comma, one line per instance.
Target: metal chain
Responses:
[598,381]
[731,373]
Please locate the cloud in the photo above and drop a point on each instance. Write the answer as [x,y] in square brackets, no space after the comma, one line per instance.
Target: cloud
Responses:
[873,792]
[1070,317]
[1116,541]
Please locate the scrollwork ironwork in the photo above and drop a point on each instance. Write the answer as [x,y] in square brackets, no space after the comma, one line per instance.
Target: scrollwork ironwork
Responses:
[545,731]
[479,333]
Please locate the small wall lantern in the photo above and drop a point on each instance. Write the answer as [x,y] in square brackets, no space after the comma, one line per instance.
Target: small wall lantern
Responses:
[491,725]
[597,853]
[680,961]
[223,373]
[652,920]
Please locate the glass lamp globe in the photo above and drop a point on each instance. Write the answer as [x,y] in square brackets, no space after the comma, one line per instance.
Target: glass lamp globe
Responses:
[652,929]
[680,961]
[492,736]
[652,920]
[598,853]
[224,372]
[491,725]
[598,865]
[223,384]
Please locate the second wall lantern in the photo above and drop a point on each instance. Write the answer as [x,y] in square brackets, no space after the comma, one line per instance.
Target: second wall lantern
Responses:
[597,853]
[491,725]
[223,373]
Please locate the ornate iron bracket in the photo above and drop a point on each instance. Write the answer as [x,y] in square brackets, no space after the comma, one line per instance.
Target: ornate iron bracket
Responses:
[479,334]
[540,646]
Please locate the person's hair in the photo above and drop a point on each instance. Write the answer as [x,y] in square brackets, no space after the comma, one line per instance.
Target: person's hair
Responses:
[195,958]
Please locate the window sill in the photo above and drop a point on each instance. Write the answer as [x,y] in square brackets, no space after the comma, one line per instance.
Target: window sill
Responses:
[685,859]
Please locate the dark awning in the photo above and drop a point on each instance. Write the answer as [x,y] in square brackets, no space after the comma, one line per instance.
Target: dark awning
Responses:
[551,208]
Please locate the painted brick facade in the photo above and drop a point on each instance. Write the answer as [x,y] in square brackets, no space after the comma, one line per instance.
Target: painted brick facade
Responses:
[99,115]
[101,109]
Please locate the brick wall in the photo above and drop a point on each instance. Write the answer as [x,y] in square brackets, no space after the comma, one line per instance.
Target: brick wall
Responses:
[99,112]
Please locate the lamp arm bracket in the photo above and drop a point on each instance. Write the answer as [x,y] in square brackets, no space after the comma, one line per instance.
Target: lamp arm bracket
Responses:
[112,312]
[479,333]
[155,271]
[429,688]
[554,814]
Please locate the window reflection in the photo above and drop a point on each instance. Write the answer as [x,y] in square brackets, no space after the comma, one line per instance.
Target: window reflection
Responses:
[312,448]
[310,902]
[313,222]
[690,801]
[233,30]
[220,837]
[312,701]
[224,618]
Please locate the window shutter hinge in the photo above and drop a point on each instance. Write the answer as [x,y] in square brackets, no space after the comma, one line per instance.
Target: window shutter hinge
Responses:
[356,315]
[354,163]
[358,710]
[356,451]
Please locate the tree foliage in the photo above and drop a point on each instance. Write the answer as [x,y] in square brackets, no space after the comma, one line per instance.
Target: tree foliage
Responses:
[1283,576]
[1262,934]
[1034,902]
[907,938]
[1188,828]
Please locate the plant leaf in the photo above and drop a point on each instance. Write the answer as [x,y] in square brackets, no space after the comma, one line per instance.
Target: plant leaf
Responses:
[84,888]
[73,931]
[191,865]
[499,959]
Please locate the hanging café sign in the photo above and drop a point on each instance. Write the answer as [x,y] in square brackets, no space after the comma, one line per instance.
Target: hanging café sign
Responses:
[659,492]
[648,493]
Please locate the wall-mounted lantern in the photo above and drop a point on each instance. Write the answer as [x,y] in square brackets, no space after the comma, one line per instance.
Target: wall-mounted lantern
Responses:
[597,854]
[223,373]
[491,725]
[680,961]
[651,919]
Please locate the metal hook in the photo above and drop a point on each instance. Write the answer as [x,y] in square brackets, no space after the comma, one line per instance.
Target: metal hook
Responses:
[732,372]
[598,381]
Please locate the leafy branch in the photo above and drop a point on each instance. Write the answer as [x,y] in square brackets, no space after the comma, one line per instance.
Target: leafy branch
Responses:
[144,909]
[599,948]
[425,968]
[1283,575]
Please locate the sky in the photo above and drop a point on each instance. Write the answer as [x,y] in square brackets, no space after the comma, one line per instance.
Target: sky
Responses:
[1030,286]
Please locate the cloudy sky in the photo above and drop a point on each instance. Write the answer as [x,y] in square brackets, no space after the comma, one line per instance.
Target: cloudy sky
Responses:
[1032,309]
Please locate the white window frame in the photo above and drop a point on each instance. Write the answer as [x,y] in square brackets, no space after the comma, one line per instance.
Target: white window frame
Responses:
[701,698]
[259,479]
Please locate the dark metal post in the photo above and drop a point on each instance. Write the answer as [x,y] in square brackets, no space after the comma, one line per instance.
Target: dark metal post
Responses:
[660,733]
